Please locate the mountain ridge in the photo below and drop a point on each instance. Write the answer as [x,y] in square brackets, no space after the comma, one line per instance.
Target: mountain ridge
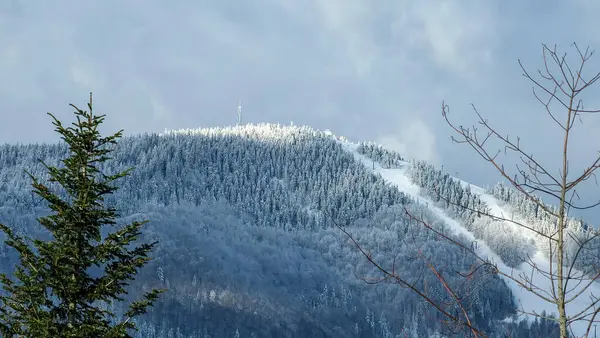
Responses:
[255,203]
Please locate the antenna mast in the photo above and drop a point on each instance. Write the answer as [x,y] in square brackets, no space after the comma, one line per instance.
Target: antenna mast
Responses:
[239,111]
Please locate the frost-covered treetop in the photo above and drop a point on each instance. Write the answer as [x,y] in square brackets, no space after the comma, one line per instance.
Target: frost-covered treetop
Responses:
[261,131]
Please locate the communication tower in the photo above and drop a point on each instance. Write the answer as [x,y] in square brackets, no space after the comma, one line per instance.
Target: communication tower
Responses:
[239,111]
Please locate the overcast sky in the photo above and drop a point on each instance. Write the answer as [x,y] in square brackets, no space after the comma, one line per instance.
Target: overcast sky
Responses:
[371,70]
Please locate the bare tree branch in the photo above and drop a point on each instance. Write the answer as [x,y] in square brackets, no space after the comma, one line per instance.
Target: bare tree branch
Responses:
[558,84]
[399,279]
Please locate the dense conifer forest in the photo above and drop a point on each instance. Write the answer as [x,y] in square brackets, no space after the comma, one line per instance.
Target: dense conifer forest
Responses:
[247,247]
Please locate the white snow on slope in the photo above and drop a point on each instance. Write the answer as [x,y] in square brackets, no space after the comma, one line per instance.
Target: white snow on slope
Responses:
[526,300]
[500,209]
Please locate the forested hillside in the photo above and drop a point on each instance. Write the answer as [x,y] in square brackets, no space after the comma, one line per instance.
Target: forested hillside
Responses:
[248,248]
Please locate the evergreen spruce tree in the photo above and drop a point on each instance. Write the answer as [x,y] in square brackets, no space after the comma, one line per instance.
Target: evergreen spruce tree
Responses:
[53,293]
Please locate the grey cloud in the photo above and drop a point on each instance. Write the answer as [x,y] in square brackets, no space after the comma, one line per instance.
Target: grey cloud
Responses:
[366,71]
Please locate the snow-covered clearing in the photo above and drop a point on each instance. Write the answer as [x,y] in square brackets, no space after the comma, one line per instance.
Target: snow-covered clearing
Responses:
[526,301]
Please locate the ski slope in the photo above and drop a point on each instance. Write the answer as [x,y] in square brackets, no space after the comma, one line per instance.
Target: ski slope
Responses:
[526,301]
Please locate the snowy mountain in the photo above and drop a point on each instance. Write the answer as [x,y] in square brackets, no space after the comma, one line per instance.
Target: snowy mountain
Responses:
[248,248]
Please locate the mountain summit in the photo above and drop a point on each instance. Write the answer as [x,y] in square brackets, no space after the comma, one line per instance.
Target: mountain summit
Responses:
[245,217]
